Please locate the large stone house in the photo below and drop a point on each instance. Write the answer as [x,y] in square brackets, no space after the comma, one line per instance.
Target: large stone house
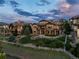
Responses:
[48,28]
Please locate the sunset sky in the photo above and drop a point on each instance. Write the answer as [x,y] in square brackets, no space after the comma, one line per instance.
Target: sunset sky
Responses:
[36,10]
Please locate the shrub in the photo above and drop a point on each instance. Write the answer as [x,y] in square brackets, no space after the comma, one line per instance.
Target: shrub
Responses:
[25,40]
[48,43]
[38,42]
[56,44]
[68,46]
[61,39]
[12,38]
[75,51]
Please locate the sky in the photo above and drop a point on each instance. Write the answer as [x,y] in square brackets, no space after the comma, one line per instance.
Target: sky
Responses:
[35,10]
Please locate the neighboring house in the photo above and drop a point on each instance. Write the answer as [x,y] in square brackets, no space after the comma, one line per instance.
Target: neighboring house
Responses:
[75,25]
[17,26]
[48,28]
[7,29]
[4,30]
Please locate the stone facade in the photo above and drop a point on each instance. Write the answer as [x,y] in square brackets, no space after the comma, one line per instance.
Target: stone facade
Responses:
[48,28]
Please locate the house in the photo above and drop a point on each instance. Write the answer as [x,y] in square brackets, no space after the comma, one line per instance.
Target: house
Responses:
[75,24]
[17,26]
[45,27]
[4,29]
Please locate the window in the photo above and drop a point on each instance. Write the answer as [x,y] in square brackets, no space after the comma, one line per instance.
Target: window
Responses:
[78,27]
[49,27]
[48,32]
[34,31]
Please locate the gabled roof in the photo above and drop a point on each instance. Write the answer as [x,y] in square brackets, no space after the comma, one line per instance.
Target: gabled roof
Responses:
[44,20]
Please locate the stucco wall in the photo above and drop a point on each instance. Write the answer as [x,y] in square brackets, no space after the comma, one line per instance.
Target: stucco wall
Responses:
[78,33]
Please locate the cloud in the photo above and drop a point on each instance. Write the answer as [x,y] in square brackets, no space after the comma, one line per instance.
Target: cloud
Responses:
[63,6]
[40,4]
[43,2]
[73,1]
[50,18]
[36,16]
[2,2]
[14,3]
[64,10]
[21,12]
[40,16]
[9,18]
[56,12]
[67,8]
[31,19]
[6,18]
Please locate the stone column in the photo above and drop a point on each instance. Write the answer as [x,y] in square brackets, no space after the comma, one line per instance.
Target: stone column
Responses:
[40,31]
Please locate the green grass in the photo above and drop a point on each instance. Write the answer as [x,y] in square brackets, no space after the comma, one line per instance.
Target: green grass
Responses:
[31,53]
[2,37]
[11,57]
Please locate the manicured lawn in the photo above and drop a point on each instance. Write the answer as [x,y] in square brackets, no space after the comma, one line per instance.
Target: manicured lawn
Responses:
[31,53]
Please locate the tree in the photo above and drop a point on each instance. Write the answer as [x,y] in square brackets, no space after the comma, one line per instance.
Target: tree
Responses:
[2,54]
[27,29]
[12,38]
[76,50]
[67,30]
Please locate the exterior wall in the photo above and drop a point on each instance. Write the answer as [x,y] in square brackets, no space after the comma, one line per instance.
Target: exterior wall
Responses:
[75,23]
[19,28]
[75,28]
[52,29]
[35,30]
[78,33]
